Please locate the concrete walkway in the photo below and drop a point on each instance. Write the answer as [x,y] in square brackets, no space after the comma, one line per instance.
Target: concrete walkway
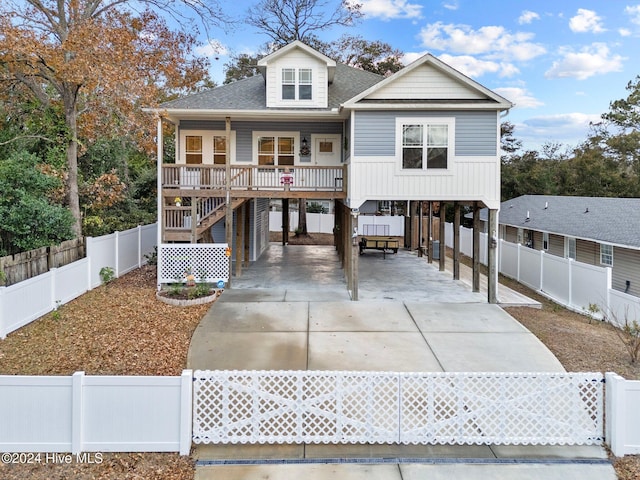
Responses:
[291,311]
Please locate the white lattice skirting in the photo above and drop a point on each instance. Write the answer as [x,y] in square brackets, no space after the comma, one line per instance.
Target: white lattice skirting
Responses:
[405,408]
[207,261]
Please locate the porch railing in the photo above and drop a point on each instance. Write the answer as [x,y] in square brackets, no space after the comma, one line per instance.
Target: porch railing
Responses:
[254,177]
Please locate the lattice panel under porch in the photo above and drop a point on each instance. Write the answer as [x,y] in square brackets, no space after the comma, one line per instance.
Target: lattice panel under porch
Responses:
[207,261]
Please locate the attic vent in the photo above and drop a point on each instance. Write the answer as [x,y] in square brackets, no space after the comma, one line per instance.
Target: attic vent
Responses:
[546,205]
[587,210]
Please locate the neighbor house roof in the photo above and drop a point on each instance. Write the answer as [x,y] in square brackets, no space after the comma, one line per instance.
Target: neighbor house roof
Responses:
[602,219]
[250,93]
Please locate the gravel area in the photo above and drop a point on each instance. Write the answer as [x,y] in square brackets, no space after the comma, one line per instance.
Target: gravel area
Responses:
[121,329]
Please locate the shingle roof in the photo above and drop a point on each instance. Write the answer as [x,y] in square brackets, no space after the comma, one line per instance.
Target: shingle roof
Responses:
[603,219]
[249,93]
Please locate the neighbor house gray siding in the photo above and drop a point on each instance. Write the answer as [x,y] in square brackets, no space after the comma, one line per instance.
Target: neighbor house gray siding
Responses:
[375,132]
[626,266]
[244,131]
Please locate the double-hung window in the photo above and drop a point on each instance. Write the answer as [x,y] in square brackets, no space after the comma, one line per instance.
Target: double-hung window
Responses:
[219,149]
[606,254]
[297,84]
[425,144]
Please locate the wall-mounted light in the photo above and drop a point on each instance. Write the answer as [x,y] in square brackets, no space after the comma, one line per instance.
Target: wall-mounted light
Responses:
[304,148]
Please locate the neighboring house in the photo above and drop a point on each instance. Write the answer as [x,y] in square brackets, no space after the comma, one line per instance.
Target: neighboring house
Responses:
[599,231]
[311,128]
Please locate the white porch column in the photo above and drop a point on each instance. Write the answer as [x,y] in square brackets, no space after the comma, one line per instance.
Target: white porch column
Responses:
[160,230]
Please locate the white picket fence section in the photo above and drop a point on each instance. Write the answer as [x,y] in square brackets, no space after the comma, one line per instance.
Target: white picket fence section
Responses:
[397,408]
[26,301]
[96,414]
[573,284]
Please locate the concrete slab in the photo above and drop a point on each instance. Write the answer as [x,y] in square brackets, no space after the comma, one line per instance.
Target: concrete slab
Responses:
[255,317]
[371,351]
[550,452]
[306,472]
[360,317]
[319,295]
[250,351]
[492,352]
[248,452]
[398,451]
[454,317]
[235,295]
[507,472]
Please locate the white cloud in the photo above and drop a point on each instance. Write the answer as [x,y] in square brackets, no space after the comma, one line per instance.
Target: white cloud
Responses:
[634,13]
[624,32]
[520,96]
[389,9]
[591,60]
[213,48]
[451,5]
[567,128]
[586,21]
[528,16]
[474,67]
[495,41]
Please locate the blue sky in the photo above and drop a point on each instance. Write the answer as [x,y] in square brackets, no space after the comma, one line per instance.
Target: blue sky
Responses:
[560,62]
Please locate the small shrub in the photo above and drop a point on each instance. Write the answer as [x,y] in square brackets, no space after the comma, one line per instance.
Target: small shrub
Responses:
[200,290]
[175,289]
[152,258]
[107,274]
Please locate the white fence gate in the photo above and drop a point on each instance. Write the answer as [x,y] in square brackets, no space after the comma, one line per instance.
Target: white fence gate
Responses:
[404,408]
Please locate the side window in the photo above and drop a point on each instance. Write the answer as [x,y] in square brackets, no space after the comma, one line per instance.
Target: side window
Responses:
[606,254]
[288,83]
[424,143]
[545,241]
[219,150]
[305,84]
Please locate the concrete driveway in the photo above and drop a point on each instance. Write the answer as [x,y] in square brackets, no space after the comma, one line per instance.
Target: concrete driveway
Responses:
[291,311]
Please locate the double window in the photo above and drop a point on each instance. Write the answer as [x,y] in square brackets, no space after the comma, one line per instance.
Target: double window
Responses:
[276,150]
[425,144]
[297,84]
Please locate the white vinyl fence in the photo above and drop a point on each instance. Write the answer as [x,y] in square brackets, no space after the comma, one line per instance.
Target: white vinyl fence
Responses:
[25,301]
[81,413]
[96,414]
[573,284]
[404,408]
[324,223]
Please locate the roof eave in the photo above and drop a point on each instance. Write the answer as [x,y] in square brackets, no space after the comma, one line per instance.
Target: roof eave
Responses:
[421,105]
[177,114]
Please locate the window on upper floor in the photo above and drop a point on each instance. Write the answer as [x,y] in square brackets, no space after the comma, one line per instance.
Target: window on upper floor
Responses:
[297,84]
[425,144]
[606,254]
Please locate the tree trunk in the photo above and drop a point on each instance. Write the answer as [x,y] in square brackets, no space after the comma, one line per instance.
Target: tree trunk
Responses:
[302,217]
[71,118]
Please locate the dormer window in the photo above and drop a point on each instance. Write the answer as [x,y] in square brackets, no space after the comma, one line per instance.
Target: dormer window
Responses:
[297,84]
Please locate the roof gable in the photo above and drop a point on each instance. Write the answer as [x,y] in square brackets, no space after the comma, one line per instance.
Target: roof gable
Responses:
[430,79]
[297,45]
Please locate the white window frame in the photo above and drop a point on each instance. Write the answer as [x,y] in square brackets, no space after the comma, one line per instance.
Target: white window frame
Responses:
[297,82]
[276,135]
[606,258]
[425,122]
[568,243]
[207,145]
[545,241]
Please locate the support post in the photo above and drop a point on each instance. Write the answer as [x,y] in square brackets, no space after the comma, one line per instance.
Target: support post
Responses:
[285,221]
[355,254]
[443,246]
[492,257]
[420,229]
[456,241]
[228,220]
[247,232]
[194,220]
[239,240]
[476,248]
[430,233]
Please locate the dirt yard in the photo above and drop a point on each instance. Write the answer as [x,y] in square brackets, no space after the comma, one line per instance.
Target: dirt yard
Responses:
[121,329]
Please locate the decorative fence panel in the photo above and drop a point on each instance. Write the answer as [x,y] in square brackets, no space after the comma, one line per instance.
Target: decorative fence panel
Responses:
[96,413]
[406,408]
[208,262]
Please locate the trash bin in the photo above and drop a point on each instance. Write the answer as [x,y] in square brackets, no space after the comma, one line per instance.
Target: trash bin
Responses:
[436,249]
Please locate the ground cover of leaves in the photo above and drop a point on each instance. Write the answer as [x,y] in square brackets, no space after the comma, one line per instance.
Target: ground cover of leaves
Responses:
[121,329]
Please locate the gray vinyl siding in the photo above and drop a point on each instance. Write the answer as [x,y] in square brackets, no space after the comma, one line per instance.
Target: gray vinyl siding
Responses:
[556,245]
[588,252]
[375,132]
[511,234]
[244,131]
[626,266]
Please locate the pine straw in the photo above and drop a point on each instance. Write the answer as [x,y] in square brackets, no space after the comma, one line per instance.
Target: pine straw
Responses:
[121,329]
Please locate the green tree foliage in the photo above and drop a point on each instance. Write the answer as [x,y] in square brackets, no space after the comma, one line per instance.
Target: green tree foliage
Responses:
[370,56]
[30,217]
